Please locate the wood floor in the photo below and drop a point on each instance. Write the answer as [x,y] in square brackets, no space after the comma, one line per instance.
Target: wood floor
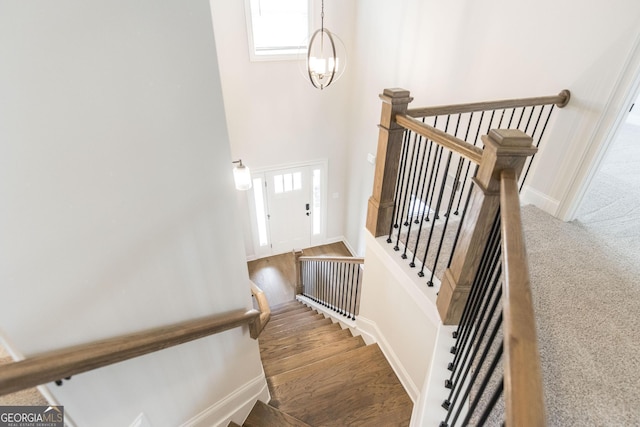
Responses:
[321,375]
[318,373]
[275,275]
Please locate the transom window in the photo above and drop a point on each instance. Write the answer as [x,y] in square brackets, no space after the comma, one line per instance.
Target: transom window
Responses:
[277,29]
[287,182]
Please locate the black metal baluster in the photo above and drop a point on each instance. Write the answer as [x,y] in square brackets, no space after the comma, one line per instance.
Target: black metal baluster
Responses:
[399,184]
[343,289]
[355,306]
[537,144]
[533,109]
[312,281]
[434,172]
[414,194]
[446,220]
[488,263]
[325,285]
[481,323]
[466,174]
[330,284]
[404,195]
[521,116]
[513,113]
[485,381]
[459,229]
[431,175]
[437,160]
[436,214]
[492,402]
[501,119]
[412,179]
[348,290]
[481,320]
[336,266]
[423,196]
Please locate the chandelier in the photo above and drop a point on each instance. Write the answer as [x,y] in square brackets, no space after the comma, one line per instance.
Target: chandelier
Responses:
[324,64]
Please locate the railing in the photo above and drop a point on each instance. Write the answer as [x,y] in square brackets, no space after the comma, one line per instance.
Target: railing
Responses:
[265,311]
[64,363]
[437,159]
[429,171]
[496,352]
[334,282]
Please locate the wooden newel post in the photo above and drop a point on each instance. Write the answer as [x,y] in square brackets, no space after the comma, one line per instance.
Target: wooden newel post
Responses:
[380,209]
[297,253]
[503,149]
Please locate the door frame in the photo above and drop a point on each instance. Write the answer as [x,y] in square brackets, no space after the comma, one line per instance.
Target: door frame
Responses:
[625,92]
[323,164]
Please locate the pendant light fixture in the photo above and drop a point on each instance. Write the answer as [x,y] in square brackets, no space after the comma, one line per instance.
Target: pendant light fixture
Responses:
[241,176]
[325,56]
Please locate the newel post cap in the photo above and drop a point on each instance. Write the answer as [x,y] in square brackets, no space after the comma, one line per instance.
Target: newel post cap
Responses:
[510,138]
[396,96]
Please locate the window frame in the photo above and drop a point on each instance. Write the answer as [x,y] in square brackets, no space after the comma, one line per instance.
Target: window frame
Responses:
[277,55]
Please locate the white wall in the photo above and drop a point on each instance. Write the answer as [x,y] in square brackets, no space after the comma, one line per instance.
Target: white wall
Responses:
[275,117]
[449,52]
[399,311]
[118,209]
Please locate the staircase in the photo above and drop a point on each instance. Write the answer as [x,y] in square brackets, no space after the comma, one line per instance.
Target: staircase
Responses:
[321,375]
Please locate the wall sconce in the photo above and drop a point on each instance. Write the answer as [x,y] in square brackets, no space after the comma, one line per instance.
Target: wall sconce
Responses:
[241,176]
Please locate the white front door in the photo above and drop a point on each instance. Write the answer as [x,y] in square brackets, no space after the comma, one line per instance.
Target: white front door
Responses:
[288,209]
[289,201]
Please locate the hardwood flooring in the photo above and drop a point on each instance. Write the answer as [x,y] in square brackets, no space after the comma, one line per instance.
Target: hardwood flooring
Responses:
[276,275]
[318,373]
[321,375]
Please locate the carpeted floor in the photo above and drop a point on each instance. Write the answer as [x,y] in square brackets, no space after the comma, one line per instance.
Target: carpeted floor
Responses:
[586,294]
[29,397]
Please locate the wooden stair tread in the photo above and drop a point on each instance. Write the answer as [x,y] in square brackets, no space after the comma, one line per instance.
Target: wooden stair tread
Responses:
[287,306]
[321,375]
[365,402]
[345,363]
[340,390]
[291,345]
[290,313]
[301,358]
[263,415]
[307,326]
[292,322]
[289,316]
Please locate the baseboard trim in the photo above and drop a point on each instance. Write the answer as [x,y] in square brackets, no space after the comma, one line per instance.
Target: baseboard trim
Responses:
[371,334]
[532,196]
[343,240]
[370,328]
[428,411]
[235,407]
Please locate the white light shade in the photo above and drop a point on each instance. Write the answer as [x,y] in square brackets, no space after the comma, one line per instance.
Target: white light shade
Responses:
[242,177]
[325,61]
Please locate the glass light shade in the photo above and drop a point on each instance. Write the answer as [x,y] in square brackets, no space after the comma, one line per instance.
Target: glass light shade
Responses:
[325,58]
[242,177]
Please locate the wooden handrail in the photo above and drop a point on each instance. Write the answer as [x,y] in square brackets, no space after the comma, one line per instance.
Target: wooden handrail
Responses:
[457,145]
[57,364]
[265,312]
[522,381]
[345,259]
[560,100]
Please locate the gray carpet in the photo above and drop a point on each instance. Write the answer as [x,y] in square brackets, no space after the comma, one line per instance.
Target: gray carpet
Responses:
[587,297]
[29,397]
